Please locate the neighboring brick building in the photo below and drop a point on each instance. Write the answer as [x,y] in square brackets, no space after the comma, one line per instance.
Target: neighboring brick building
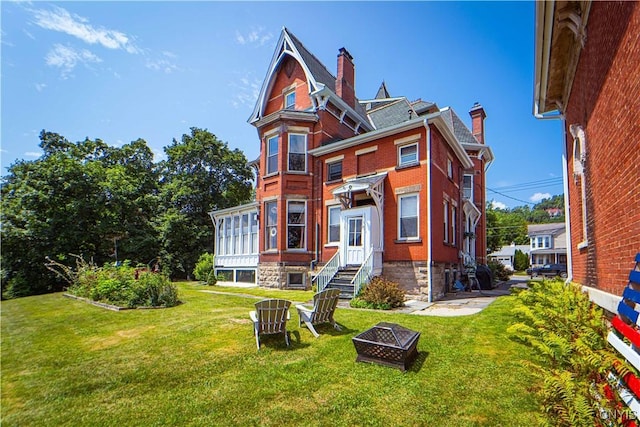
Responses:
[587,73]
[386,184]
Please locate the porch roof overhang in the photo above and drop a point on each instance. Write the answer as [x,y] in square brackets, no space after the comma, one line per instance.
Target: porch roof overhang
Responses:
[365,183]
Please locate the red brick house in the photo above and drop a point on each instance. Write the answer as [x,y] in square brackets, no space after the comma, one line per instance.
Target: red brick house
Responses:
[384,185]
[587,74]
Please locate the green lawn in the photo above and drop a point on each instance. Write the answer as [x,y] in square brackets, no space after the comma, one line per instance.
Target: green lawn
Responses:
[65,362]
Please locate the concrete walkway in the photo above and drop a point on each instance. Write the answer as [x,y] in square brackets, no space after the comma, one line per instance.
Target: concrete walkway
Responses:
[454,304]
[461,303]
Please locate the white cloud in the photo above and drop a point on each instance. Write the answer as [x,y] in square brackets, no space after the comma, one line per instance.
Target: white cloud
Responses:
[539,196]
[162,65]
[34,154]
[498,205]
[255,36]
[246,91]
[40,86]
[59,19]
[66,58]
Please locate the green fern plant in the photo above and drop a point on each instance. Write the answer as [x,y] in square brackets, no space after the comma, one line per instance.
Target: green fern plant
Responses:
[568,333]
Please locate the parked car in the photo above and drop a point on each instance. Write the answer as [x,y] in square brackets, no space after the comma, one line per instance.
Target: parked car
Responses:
[551,270]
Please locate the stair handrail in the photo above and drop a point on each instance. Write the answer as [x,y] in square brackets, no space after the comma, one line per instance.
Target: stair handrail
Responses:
[327,272]
[363,275]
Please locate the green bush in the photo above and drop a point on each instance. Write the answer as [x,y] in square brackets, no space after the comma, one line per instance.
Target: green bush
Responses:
[498,270]
[520,260]
[124,286]
[203,270]
[568,333]
[380,293]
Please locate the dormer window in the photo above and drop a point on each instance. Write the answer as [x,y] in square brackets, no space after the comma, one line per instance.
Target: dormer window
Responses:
[290,100]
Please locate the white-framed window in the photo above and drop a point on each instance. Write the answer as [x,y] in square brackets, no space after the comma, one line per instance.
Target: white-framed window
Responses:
[270,227]
[333,224]
[454,225]
[297,152]
[220,248]
[408,154]
[227,236]
[446,221]
[290,99]
[236,235]
[449,168]
[579,166]
[334,171]
[408,217]
[253,222]
[272,154]
[296,224]
[245,234]
[467,186]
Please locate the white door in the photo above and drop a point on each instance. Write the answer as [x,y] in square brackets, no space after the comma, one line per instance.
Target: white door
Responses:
[355,240]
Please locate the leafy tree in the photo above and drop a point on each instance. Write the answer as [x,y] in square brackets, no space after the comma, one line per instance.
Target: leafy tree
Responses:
[76,198]
[200,174]
[520,261]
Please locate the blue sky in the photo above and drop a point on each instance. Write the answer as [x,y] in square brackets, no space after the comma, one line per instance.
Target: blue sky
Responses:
[120,71]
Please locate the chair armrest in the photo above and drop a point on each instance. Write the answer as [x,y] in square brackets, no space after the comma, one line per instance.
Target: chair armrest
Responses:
[301,307]
[253,315]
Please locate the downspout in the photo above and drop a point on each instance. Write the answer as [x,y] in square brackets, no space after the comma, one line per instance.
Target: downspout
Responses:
[567,208]
[429,239]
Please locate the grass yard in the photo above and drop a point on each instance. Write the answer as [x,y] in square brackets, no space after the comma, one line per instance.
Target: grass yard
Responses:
[65,362]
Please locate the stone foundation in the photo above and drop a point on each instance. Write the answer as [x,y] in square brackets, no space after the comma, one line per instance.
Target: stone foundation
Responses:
[412,278]
[274,275]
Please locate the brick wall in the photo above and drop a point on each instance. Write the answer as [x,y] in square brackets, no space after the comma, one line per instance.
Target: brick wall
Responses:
[604,100]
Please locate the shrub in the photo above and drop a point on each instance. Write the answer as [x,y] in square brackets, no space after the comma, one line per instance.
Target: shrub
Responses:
[203,270]
[498,270]
[380,293]
[520,260]
[124,286]
[568,333]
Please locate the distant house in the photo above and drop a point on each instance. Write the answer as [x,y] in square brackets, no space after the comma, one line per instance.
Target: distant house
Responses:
[385,185]
[506,255]
[587,74]
[554,212]
[547,244]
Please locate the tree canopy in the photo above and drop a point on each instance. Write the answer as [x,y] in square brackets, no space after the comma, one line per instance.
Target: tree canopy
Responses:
[506,226]
[109,204]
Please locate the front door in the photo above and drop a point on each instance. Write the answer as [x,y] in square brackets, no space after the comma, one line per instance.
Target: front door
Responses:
[355,244]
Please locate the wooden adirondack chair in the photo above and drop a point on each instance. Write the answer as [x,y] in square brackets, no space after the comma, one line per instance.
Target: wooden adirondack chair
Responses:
[270,317]
[324,305]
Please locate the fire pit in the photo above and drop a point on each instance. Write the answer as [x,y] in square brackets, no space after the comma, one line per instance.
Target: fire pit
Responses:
[387,344]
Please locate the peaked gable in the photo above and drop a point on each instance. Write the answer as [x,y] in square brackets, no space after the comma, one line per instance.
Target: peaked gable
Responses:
[319,79]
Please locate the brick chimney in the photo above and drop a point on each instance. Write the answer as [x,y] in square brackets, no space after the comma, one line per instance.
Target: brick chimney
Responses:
[477,121]
[345,82]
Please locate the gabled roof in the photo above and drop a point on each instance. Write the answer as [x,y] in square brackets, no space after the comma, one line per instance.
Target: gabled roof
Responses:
[318,76]
[464,135]
[391,113]
[553,228]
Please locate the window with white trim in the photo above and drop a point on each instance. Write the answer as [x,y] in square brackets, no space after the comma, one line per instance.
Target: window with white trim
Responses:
[297,152]
[449,168]
[290,99]
[295,279]
[333,224]
[272,154]
[454,225]
[253,221]
[296,224]
[408,154]
[408,217]
[467,186]
[270,227]
[446,221]
[245,233]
